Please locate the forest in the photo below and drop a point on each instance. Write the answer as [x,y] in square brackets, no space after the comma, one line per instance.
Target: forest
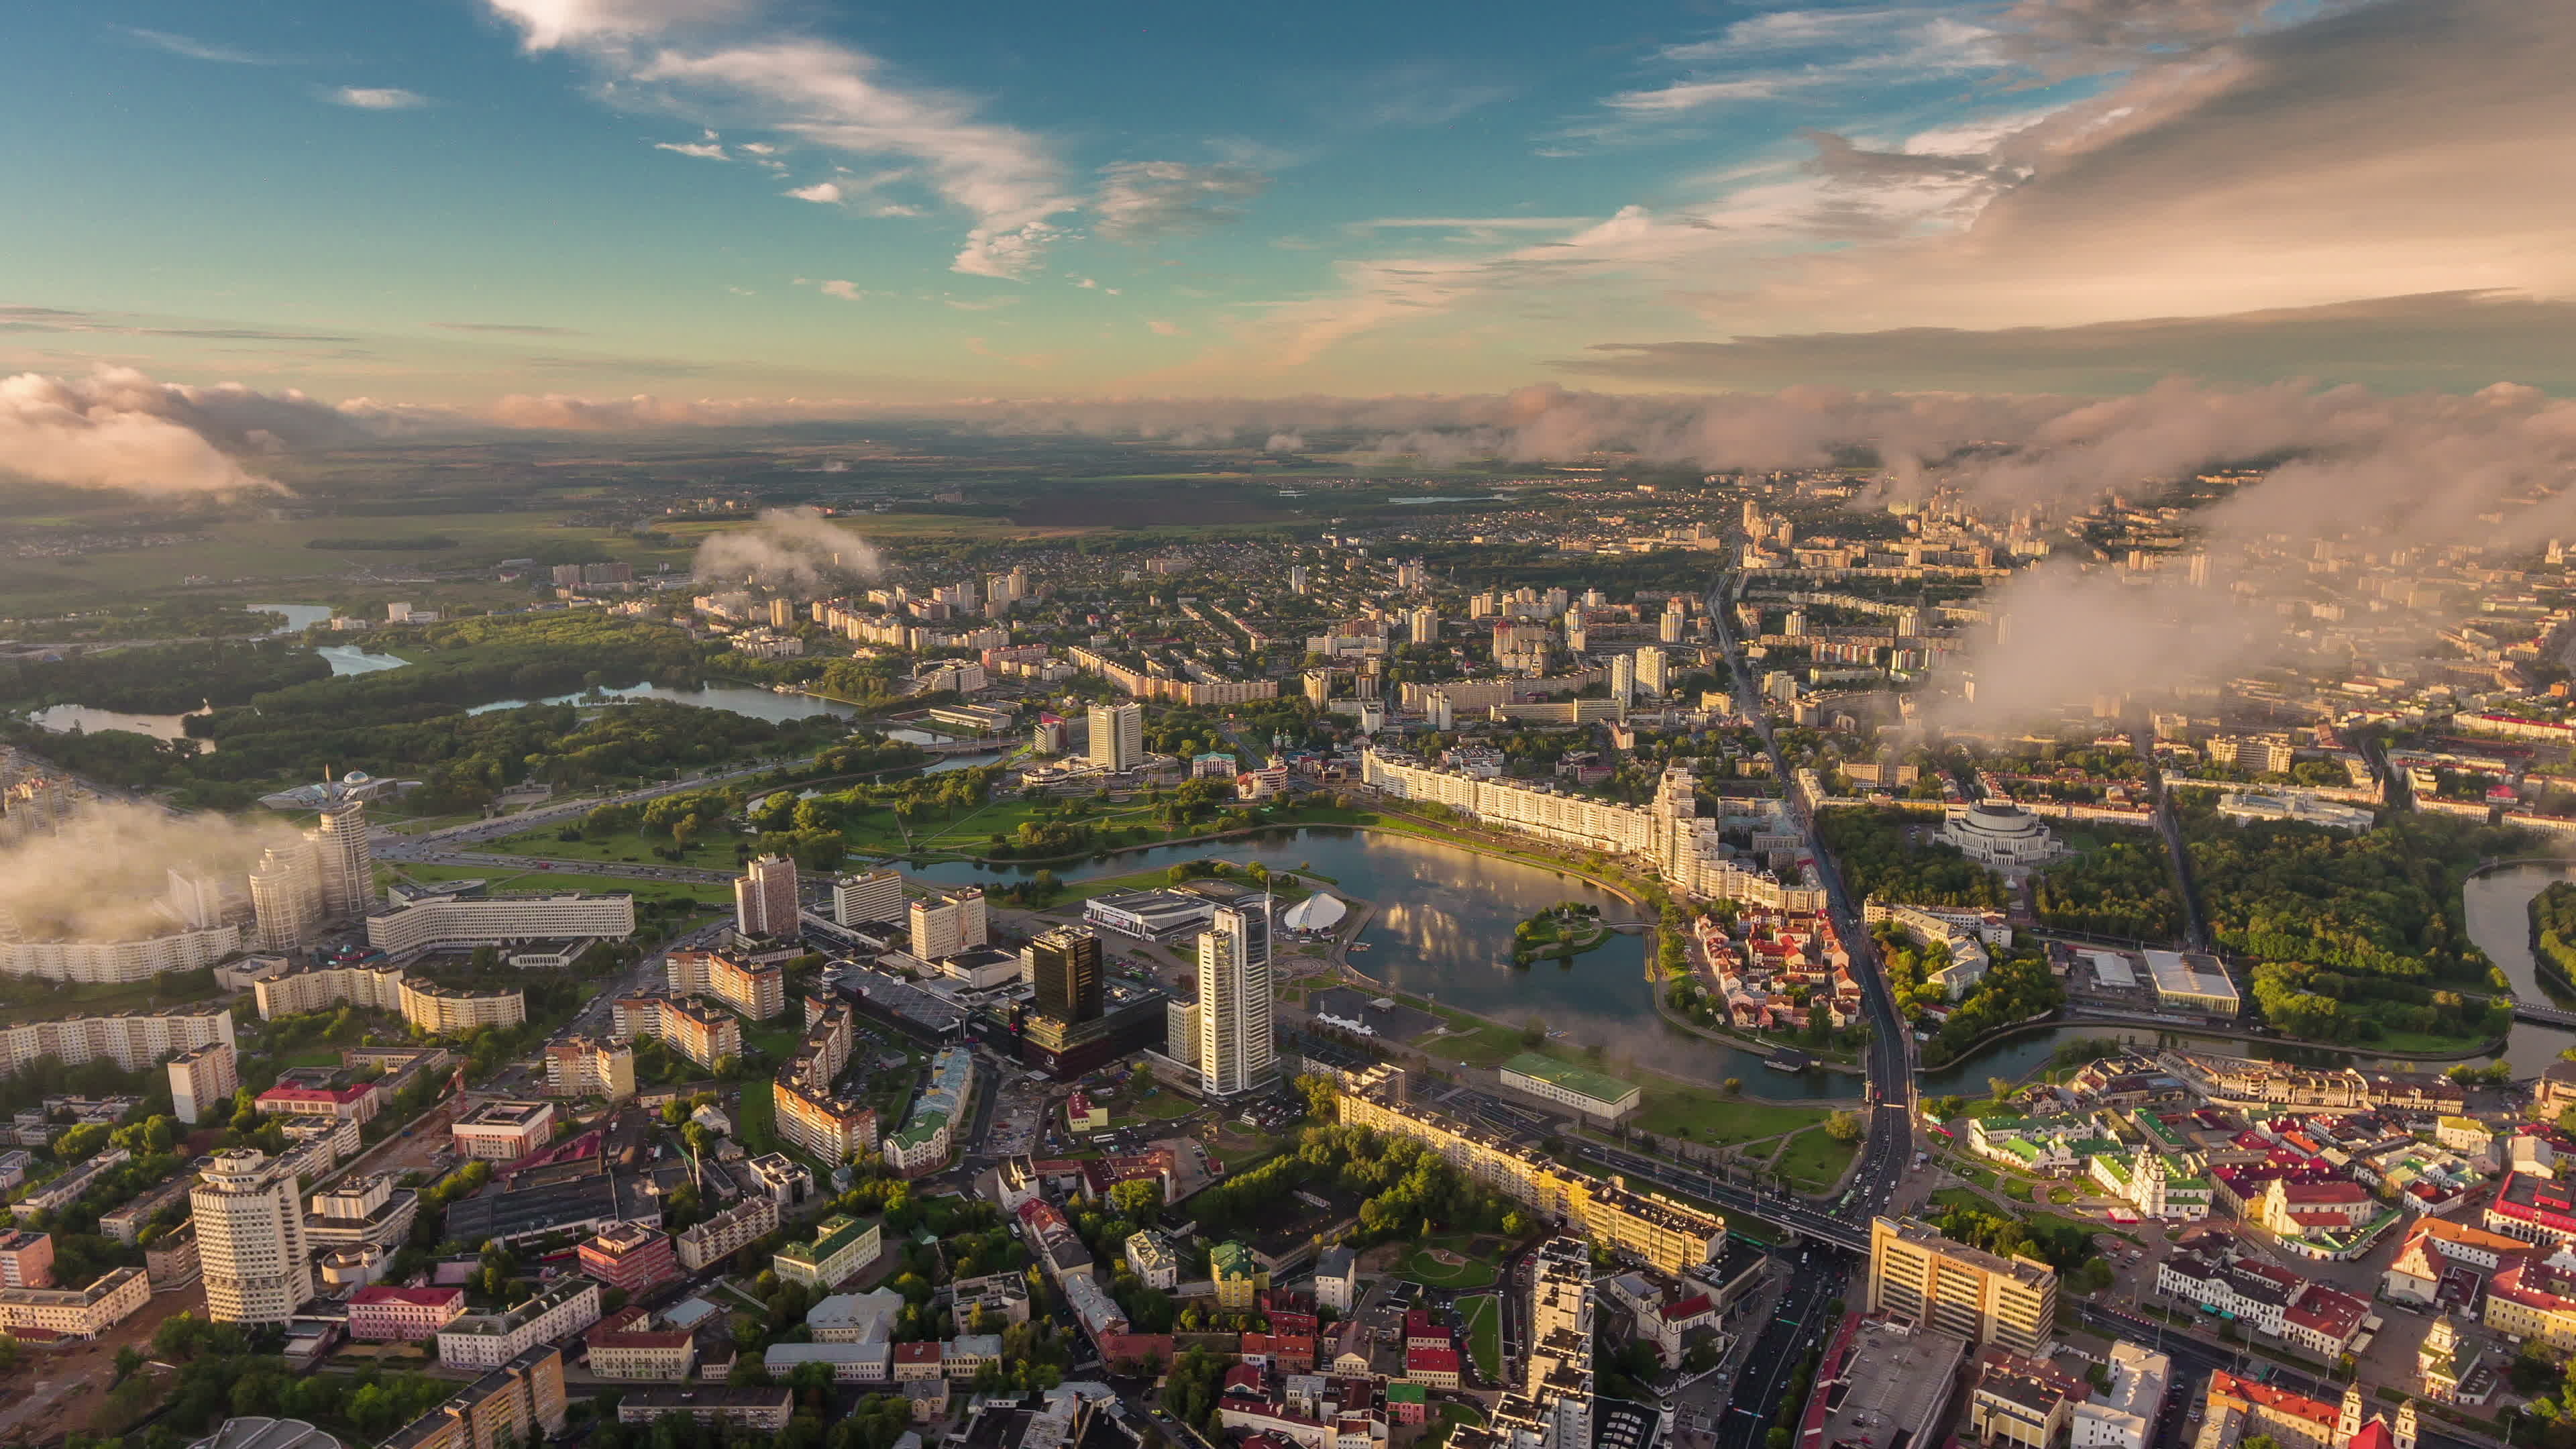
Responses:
[2122,888]
[2355,937]
[2553,930]
[1878,863]
[163,678]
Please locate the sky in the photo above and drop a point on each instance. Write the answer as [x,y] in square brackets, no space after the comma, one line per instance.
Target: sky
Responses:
[511,206]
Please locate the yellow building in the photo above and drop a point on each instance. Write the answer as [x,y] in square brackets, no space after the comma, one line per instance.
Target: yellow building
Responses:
[77,1312]
[1919,1276]
[1239,1280]
[1669,1235]
[521,1402]
[384,987]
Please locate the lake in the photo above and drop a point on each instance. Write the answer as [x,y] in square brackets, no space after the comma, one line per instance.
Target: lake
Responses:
[299,617]
[731,698]
[64,718]
[1443,930]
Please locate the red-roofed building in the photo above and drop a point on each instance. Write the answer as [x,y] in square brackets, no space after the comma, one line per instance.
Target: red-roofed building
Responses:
[1281,1353]
[1435,1367]
[630,1256]
[1081,1114]
[2291,1208]
[2324,1320]
[2533,1208]
[1421,1330]
[384,1314]
[2294,1419]
[916,1361]
[2533,1301]
[1244,1379]
[1136,1352]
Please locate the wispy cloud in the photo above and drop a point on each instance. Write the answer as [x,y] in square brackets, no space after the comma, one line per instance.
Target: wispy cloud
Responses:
[846,291]
[195,49]
[1140,200]
[725,58]
[822,192]
[521,329]
[375,98]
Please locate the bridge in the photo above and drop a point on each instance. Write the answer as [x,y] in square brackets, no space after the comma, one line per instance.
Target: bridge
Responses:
[2533,1011]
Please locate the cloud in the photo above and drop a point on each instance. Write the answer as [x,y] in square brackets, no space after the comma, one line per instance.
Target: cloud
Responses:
[721,59]
[1161,328]
[1141,200]
[703,150]
[64,319]
[846,291]
[195,49]
[103,876]
[2457,340]
[794,551]
[522,329]
[376,98]
[824,192]
[118,429]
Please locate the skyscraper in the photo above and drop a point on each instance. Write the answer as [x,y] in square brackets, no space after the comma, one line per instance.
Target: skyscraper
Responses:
[1653,670]
[346,861]
[1236,1052]
[250,1238]
[874,896]
[764,901]
[1064,965]
[286,898]
[1117,736]
[943,925]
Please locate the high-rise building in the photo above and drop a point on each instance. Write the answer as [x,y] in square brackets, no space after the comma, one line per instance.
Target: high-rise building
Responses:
[1623,678]
[1064,966]
[1117,736]
[1236,1052]
[943,925]
[347,863]
[1917,1275]
[1669,627]
[202,1081]
[1422,626]
[1654,670]
[764,901]
[250,1238]
[195,900]
[876,895]
[286,898]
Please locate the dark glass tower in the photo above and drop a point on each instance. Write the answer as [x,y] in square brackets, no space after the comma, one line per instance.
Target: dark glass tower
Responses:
[1065,964]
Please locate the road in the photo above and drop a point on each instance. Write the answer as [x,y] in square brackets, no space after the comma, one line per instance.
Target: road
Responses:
[1797,1325]
[500,825]
[1890,1059]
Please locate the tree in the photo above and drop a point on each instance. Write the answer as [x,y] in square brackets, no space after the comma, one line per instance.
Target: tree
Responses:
[128,1360]
[1845,1126]
[1533,1031]
[1734,1085]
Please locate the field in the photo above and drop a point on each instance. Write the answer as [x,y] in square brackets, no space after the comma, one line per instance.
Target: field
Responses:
[1422,1266]
[1705,1114]
[1484,1323]
[756,1121]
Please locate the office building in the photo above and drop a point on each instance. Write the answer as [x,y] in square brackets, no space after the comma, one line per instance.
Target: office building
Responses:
[346,863]
[876,895]
[764,900]
[250,1238]
[423,920]
[1117,737]
[1237,1052]
[583,1066]
[110,1299]
[203,1079]
[26,1259]
[370,1211]
[1594,1094]
[629,1256]
[518,1403]
[945,924]
[504,1131]
[489,1340]
[756,989]
[1919,1276]
[1065,969]
[286,898]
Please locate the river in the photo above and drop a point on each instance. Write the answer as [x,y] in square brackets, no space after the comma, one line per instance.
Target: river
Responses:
[1443,927]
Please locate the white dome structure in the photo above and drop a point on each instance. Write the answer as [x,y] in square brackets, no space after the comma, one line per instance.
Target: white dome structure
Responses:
[1999,834]
[1318,912]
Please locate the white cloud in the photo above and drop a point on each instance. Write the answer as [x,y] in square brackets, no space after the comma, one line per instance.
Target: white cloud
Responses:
[193,48]
[1161,328]
[703,150]
[376,98]
[846,291]
[824,192]
[688,56]
[119,429]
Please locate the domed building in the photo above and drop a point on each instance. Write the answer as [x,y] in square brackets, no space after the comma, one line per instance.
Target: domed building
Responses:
[1999,834]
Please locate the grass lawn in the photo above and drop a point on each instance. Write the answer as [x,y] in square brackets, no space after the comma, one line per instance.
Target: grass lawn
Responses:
[1422,1268]
[1484,1322]
[1814,1159]
[1705,1114]
[709,852]
[756,1123]
[311,1057]
[1163,1106]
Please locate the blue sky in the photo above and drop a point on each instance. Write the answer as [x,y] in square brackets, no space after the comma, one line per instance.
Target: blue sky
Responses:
[450,203]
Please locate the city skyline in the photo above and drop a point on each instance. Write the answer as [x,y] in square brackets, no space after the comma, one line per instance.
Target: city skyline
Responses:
[594,213]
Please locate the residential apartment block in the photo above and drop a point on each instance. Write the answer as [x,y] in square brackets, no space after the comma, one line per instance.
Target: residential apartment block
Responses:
[757,990]
[1919,1276]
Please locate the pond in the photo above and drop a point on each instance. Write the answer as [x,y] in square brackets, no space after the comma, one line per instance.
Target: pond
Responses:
[2497,918]
[64,718]
[1443,929]
[299,617]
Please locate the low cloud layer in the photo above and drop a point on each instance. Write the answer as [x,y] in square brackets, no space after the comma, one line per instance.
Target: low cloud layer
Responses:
[792,551]
[118,429]
[99,877]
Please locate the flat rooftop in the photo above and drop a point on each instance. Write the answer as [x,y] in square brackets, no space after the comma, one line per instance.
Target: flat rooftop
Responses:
[1894,1380]
[1599,1086]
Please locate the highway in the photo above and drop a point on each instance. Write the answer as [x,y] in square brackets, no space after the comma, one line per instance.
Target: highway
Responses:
[1890,1060]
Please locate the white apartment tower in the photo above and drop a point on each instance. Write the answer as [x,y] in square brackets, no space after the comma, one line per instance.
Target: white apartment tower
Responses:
[1654,668]
[286,898]
[1236,1052]
[943,925]
[1117,736]
[1623,678]
[1423,625]
[347,863]
[250,1238]
[764,901]
[874,896]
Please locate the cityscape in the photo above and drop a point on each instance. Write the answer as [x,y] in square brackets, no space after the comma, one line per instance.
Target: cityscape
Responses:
[1749,726]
